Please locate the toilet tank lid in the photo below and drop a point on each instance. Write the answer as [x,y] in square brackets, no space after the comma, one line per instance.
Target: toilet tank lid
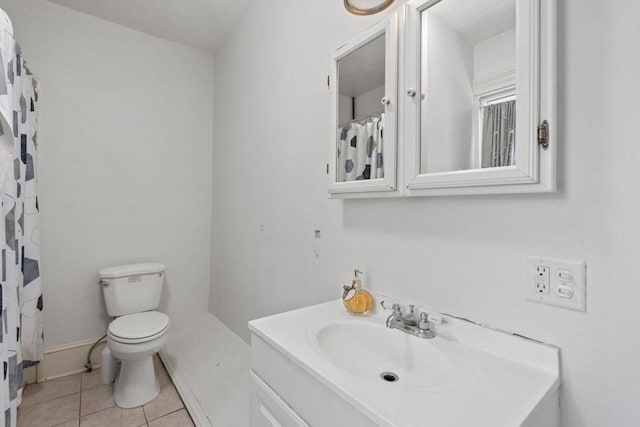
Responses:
[131,270]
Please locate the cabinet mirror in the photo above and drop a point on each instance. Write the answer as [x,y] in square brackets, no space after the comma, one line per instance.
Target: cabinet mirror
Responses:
[467,63]
[479,85]
[364,103]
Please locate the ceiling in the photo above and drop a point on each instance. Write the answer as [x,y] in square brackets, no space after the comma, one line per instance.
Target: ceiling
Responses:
[476,20]
[202,24]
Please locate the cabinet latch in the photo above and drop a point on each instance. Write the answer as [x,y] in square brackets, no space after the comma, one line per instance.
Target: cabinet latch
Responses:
[543,135]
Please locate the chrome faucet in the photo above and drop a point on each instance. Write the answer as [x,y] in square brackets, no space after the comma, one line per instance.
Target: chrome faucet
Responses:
[411,323]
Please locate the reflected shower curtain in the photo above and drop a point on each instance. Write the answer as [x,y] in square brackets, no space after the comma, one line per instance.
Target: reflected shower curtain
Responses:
[21,332]
[360,150]
[499,134]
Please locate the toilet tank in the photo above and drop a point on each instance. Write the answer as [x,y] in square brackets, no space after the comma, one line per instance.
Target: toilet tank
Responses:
[132,288]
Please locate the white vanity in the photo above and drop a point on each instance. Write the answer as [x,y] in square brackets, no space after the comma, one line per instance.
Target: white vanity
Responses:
[319,366]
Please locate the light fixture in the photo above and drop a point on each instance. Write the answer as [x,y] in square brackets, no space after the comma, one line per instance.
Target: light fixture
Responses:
[366,7]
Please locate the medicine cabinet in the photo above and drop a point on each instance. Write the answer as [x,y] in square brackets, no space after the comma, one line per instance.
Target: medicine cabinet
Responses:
[364,83]
[473,111]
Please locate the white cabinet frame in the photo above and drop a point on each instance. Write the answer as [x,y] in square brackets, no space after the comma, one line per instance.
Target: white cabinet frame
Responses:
[535,167]
[370,187]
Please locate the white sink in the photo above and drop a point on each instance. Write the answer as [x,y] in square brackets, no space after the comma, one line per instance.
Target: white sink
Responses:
[325,365]
[366,348]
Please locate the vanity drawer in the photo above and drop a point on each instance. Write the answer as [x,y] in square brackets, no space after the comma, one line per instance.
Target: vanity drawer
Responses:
[300,392]
[268,409]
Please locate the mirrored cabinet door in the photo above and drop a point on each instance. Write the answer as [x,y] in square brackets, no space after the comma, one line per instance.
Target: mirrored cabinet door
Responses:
[480,81]
[365,113]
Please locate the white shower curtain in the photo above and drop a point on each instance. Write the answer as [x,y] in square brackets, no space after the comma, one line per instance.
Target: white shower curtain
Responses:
[21,332]
[360,149]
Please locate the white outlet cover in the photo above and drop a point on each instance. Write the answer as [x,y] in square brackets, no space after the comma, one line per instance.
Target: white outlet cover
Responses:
[564,275]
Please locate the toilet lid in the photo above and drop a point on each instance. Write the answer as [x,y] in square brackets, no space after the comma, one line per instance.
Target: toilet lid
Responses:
[139,325]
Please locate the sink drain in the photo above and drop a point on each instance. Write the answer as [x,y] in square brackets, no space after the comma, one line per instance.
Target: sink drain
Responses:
[389,377]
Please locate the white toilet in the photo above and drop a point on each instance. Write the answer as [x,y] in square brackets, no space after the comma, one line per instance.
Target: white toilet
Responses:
[131,292]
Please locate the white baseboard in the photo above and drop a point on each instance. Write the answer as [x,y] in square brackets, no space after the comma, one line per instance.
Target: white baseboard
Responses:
[198,415]
[66,360]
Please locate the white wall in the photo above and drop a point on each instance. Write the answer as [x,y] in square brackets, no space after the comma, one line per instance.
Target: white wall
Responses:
[364,104]
[447,82]
[125,149]
[494,56]
[345,108]
[461,255]
[369,102]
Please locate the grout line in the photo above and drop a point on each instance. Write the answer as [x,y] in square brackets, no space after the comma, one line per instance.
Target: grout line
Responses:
[172,412]
[65,422]
[100,410]
[48,400]
[62,422]
[80,403]
[144,414]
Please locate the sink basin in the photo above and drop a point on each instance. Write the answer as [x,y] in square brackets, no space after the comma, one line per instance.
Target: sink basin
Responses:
[372,352]
[334,369]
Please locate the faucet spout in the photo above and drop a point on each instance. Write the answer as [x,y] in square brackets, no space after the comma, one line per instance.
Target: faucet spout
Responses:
[411,324]
[410,319]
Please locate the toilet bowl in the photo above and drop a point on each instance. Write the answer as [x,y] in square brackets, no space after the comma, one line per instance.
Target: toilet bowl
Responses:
[134,339]
[132,294]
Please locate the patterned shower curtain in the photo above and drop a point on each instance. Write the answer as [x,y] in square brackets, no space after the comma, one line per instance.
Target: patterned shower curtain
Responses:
[360,150]
[21,332]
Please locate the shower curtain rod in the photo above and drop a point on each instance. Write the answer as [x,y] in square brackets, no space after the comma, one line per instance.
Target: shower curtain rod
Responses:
[367,117]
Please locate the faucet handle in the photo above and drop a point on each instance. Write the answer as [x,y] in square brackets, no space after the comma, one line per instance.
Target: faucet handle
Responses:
[437,319]
[426,319]
[394,306]
[423,322]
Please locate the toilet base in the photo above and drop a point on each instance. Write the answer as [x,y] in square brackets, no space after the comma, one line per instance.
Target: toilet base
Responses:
[136,383]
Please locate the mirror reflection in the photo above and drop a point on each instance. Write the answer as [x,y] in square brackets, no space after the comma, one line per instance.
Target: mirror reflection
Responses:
[361,79]
[468,59]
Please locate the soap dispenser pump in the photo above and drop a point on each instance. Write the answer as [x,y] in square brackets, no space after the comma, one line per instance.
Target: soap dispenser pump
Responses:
[355,299]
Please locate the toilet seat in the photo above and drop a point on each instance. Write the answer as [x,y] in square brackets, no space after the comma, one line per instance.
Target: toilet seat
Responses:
[138,327]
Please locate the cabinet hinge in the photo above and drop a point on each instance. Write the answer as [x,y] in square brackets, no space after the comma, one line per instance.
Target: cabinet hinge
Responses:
[543,135]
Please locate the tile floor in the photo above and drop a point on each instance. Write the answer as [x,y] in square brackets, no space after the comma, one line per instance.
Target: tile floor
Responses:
[82,400]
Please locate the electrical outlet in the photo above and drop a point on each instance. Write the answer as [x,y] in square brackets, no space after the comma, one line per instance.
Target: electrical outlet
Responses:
[556,282]
[541,279]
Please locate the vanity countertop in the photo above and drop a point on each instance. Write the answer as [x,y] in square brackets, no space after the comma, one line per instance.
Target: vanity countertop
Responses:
[469,375]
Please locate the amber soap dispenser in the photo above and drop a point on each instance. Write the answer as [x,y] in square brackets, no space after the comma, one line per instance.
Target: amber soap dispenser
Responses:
[355,299]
